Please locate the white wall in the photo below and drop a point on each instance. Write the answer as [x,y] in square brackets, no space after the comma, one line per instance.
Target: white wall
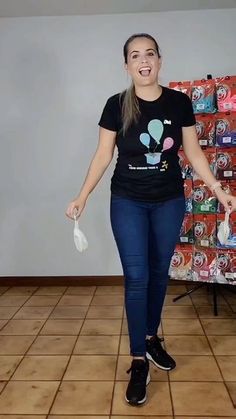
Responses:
[55,76]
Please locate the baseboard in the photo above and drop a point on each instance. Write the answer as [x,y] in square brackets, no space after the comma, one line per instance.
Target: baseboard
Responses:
[68,280]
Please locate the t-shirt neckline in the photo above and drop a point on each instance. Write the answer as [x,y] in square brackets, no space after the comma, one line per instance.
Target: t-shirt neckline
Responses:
[150,102]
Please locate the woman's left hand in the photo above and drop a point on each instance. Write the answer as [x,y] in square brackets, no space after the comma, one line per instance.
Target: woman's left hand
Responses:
[229,201]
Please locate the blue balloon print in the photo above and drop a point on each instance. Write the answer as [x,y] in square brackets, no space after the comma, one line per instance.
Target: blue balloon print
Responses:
[145,139]
[155,129]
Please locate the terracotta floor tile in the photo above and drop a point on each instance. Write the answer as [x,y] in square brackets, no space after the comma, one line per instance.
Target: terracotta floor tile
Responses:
[105,312]
[141,417]
[94,398]
[110,290]
[105,300]
[182,327]
[102,345]
[69,312]
[75,300]
[22,417]
[158,400]
[207,312]
[91,367]
[186,301]
[176,289]
[195,368]
[2,385]
[51,290]
[228,367]
[202,300]
[15,345]
[101,327]
[188,399]
[33,313]
[8,312]
[22,327]
[219,326]
[8,364]
[3,290]
[41,368]
[3,323]
[52,345]
[178,312]
[21,291]
[78,417]
[124,345]
[80,290]
[40,395]
[43,300]
[61,327]
[223,345]
[205,417]
[187,345]
[124,362]
[230,297]
[12,300]
[232,391]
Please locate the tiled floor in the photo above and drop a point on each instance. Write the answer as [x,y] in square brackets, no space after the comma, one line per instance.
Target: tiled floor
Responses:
[64,352]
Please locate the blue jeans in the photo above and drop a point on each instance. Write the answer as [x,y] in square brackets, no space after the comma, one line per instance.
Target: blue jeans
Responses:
[146,234]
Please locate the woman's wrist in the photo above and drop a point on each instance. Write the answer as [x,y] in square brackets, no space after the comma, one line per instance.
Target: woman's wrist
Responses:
[216,187]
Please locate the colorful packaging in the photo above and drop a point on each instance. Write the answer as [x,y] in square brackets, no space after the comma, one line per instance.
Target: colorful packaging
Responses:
[205,126]
[186,168]
[226,163]
[181,86]
[205,230]
[229,186]
[225,124]
[181,262]
[226,266]
[186,232]
[226,93]
[231,242]
[203,96]
[203,200]
[204,265]
[188,193]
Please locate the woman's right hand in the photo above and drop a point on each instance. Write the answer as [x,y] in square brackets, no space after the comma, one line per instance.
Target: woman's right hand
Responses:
[75,208]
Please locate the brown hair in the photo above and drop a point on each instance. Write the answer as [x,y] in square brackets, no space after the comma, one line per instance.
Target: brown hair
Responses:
[130,105]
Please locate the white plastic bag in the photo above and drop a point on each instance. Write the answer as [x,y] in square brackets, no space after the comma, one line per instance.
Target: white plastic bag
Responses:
[80,240]
[224,230]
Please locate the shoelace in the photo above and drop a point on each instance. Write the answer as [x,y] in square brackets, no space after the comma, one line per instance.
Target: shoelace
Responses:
[136,370]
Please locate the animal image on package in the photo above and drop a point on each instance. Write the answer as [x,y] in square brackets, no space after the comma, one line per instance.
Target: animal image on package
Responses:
[231,242]
[226,163]
[204,265]
[203,96]
[181,262]
[226,93]
[225,125]
[205,127]
[203,200]
[226,266]
[186,232]
[181,86]
[205,230]
[188,193]
[186,168]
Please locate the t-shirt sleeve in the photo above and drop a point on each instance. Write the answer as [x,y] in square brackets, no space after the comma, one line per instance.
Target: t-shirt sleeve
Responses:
[109,117]
[188,117]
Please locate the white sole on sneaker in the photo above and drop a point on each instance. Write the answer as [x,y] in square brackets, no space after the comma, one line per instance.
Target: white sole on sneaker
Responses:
[155,363]
[145,398]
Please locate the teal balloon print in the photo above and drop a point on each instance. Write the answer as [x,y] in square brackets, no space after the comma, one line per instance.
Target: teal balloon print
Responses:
[155,129]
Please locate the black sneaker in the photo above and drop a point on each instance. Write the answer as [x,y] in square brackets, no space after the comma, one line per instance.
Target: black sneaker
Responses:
[158,355]
[140,377]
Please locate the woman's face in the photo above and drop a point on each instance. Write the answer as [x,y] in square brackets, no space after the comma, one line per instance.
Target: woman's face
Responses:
[143,63]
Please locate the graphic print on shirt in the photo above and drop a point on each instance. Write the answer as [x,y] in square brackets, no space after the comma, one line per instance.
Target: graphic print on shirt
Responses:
[155,131]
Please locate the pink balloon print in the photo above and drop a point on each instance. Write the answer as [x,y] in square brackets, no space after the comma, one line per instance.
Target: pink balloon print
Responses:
[168,143]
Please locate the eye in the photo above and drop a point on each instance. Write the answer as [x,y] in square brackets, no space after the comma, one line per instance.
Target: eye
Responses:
[134,56]
[151,53]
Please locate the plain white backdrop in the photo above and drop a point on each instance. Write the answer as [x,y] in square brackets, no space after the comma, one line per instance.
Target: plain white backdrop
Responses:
[56,74]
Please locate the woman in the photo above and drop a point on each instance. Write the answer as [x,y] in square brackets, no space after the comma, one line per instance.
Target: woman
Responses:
[148,123]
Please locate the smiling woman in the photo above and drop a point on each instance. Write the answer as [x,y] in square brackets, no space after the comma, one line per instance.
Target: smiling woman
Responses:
[148,123]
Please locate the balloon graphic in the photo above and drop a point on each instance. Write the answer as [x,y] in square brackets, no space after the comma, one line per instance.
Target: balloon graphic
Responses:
[155,129]
[168,143]
[145,139]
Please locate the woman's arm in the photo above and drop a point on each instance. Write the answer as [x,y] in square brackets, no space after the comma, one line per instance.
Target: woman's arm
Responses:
[98,166]
[201,166]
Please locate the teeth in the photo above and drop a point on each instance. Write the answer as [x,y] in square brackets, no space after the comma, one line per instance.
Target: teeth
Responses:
[145,68]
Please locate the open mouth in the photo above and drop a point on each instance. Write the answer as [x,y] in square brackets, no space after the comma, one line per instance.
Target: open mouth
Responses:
[145,71]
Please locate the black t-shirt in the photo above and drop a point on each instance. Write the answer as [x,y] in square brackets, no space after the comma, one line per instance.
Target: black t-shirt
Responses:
[147,167]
